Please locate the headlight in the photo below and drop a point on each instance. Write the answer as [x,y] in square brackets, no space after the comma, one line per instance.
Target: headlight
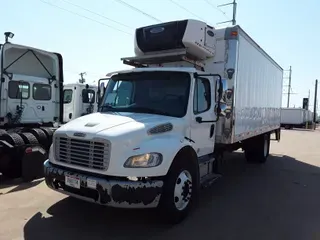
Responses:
[147,160]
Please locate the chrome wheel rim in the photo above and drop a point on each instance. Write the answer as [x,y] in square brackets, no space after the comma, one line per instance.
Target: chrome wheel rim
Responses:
[183,190]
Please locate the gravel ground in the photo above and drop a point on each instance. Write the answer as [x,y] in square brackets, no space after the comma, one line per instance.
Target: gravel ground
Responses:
[278,200]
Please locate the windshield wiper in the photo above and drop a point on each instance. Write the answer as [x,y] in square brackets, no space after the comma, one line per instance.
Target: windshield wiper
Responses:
[148,110]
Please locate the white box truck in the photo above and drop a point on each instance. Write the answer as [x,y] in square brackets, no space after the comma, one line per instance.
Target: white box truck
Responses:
[296,118]
[309,117]
[162,126]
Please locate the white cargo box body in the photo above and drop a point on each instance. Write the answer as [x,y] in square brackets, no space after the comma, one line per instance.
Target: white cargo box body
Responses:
[255,89]
[309,116]
[292,116]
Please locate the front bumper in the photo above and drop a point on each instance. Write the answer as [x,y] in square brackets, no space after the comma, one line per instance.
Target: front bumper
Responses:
[110,192]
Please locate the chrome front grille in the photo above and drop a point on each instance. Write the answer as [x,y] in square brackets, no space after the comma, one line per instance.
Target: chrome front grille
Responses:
[89,154]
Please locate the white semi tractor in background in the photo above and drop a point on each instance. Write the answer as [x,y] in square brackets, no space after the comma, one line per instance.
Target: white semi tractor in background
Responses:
[31,106]
[31,90]
[78,100]
[162,126]
[296,118]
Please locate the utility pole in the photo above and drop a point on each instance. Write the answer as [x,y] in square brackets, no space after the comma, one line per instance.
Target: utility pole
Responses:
[289,87]
[308,108]
[315,104]
[234,12]
[289,93]
[82,79]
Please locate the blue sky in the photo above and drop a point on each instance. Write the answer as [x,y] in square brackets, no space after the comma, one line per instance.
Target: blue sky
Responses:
[285,29]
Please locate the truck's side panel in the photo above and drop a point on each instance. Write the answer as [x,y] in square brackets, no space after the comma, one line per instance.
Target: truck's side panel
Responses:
[258,91]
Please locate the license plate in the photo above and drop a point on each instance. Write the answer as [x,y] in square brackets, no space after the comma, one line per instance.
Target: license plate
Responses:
[72,181]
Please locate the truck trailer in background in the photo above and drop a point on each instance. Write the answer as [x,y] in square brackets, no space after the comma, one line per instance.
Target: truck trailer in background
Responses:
[296,118]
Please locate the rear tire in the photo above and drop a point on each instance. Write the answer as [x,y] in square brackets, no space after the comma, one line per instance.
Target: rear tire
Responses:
[257,150]
[29,138]
[49,134]
[180,191]
[3,132]
[10,164]
[13,138]
[40,136]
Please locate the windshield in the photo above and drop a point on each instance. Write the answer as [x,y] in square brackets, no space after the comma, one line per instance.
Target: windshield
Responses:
[164,93]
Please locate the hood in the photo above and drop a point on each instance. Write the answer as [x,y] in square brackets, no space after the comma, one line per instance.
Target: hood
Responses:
[97,122]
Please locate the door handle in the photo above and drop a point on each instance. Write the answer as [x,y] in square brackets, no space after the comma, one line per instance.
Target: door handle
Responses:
[42,108]
[211,130]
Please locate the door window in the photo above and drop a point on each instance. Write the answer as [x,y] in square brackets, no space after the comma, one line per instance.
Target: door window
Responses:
[67,95]
[18,90]
[41,92]
[202,96]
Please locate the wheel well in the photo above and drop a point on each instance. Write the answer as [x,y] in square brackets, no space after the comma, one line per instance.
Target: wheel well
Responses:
[186,153]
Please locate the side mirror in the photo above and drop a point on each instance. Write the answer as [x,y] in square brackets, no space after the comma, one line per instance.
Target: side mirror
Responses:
[100,92]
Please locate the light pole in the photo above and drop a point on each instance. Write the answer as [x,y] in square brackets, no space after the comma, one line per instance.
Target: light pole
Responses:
[7,36]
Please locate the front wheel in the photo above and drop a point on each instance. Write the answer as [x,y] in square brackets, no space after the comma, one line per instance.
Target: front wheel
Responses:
[180,191]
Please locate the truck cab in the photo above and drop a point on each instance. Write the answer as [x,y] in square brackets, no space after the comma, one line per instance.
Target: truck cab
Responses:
[31,86]
[78,100]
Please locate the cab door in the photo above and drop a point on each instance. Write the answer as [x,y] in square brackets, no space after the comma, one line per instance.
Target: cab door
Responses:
[68,104]
[20,97]
[34,96]
[42,95]
[203,115]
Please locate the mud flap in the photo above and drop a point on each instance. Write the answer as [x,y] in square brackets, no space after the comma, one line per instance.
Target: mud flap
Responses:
[32,163]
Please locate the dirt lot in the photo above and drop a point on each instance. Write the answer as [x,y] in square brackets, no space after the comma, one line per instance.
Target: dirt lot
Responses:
[278,200]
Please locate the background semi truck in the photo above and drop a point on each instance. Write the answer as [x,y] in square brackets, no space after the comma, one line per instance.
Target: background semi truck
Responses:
[31,107]
[78,100]
[296,118]
[30,95]
[162,126]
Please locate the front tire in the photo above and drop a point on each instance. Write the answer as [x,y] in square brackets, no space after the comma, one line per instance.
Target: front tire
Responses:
[180,191]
